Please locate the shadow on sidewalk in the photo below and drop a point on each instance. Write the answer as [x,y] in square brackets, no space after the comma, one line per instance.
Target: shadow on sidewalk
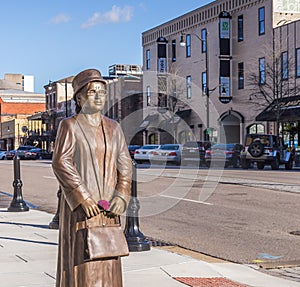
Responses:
[25,224]
[29,241]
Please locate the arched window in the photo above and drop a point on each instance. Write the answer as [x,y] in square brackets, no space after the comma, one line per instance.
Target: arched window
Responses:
[256,129]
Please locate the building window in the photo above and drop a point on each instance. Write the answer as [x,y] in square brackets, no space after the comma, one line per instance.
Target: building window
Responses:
[148,96]
[204,83]
[284,66]
[203,38]
[54,101]
[256,129]
[148,59]
[174,88]
[240,76]
[173,50]
[261,21]
[50,101]
[47,102]
[162,100]
[188,45]
[262,71]
[298,62]
[240,28]
[188,87]
[153,138]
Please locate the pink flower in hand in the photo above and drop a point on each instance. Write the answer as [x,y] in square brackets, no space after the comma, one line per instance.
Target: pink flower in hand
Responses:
[104,204]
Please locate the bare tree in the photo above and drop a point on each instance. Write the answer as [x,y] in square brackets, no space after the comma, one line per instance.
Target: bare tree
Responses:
[271,85]
[171,88]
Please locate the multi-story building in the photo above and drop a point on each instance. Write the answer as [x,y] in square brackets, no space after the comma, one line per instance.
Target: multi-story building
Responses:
[15,107]
[59,104]
[18,82]
[204,71]
[125,99]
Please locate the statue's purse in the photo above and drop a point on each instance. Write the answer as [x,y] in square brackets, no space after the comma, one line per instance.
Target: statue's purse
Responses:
[105,237]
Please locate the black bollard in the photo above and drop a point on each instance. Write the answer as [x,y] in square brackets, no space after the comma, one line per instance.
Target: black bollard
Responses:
[17,204]
[54,224]
[136,240]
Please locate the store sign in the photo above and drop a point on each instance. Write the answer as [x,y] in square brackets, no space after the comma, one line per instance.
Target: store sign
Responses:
[225,57]
[224,34]
[162,55]
[225,95]
[224,28]
[162,65]
[24,129]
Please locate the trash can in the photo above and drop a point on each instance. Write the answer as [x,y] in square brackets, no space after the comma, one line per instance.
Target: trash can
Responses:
[297,158]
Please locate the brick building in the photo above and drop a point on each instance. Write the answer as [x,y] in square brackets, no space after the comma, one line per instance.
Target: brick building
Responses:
[15,107]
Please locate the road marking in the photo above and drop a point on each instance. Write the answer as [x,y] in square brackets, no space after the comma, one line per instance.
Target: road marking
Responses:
[185,199]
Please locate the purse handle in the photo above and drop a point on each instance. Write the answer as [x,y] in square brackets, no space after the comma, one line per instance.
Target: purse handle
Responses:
[99,220]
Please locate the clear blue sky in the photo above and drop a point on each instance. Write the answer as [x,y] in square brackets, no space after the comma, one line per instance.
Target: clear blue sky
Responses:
[53,39]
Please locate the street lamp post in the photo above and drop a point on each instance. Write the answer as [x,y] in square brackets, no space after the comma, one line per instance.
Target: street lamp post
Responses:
[135,238]
[18,133]
[183,44]
[18,204]
[172,105]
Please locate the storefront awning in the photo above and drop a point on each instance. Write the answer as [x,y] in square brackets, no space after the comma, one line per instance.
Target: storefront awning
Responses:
[183,114]
[285,109]
[149,120]
[163,122]
[175,120]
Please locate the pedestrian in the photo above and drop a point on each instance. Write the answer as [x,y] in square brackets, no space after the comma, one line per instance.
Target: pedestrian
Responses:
[92,164]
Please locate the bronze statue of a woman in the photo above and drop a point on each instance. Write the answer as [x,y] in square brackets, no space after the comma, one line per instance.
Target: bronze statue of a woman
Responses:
[91,163]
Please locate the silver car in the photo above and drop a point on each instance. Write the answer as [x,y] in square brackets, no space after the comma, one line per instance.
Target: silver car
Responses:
[167,153]
[142,154]
[2,153]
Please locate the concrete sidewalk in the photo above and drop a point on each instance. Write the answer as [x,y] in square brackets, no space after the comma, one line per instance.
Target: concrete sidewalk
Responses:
[28,250]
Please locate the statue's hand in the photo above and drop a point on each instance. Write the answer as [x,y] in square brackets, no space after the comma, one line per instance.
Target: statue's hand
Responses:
[90,207]
[117,205]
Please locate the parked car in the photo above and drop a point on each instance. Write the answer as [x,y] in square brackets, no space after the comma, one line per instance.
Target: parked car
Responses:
[38,153]
[142,154]
[22,149]
[10,154]
[227,154]
[194,152]
[167,153]
[2,154]
[266,149]
[30,154]
[132,149]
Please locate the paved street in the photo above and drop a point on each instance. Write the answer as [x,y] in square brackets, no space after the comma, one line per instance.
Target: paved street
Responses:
[244,216]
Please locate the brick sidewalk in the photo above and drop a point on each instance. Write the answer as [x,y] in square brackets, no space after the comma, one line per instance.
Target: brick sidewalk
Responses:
[208,282]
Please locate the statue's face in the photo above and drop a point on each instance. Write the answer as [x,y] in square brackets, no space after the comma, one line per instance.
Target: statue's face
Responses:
[94,99]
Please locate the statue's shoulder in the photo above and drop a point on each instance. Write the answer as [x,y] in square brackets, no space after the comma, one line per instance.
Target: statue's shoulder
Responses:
[110,122]
[69,122]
